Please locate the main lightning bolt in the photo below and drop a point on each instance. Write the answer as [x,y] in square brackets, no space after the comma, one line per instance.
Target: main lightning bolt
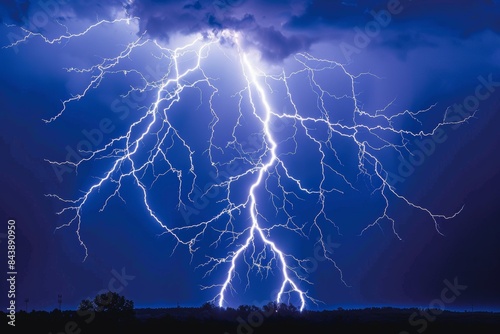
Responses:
[263,169]
[133,154]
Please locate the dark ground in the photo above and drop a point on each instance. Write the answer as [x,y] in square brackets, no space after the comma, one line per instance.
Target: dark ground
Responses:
[250,319]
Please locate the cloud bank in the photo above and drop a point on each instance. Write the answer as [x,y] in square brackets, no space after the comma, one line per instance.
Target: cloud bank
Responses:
[276,28]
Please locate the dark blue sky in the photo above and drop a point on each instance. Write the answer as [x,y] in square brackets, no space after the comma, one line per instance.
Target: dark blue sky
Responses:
[424,53]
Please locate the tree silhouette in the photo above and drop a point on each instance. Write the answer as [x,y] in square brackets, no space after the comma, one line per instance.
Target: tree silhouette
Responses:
[110,303]
[208,306]
[113,302]
[86,305]
[270,308]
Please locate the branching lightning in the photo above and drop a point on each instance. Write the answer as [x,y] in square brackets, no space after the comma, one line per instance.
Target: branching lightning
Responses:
[267,168]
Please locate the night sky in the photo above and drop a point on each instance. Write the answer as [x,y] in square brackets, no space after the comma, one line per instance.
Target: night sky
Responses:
[423,53]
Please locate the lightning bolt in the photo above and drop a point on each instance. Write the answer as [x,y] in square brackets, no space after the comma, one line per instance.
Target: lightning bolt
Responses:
[263,169]
[145,153]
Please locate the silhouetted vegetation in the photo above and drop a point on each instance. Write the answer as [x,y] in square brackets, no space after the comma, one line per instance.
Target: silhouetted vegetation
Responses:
[112,313]
[109,302]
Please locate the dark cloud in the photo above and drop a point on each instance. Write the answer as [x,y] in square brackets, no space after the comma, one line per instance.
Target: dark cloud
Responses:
[262,22]
[36,14]
[464,16]
[273,45]
[277,28]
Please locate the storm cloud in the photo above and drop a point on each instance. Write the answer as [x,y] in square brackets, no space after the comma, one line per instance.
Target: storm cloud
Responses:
[276,28]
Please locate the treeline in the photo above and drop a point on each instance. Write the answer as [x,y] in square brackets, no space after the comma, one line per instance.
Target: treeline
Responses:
[118,316]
